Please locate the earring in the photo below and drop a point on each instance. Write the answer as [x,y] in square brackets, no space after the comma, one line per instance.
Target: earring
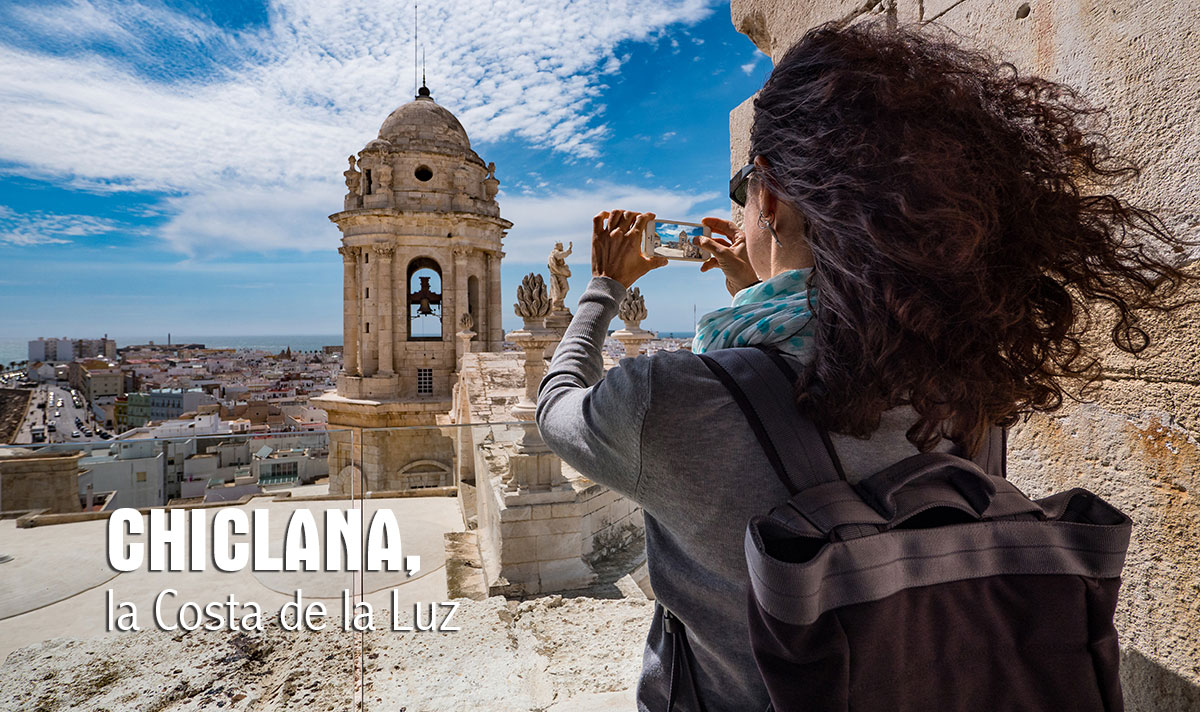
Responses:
[764,221]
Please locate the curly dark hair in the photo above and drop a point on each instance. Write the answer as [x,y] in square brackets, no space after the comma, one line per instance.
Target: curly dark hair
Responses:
[962,229]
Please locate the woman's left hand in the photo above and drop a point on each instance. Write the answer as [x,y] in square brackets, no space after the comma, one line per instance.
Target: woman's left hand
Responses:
[617,246]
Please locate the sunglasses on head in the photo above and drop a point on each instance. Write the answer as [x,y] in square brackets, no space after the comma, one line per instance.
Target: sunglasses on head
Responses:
[738,184]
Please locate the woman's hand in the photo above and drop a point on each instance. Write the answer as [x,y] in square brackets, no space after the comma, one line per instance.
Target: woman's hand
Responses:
[617,246]
[729,255]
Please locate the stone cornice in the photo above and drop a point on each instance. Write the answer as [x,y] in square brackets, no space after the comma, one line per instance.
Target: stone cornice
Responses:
[426,241]
[364,216]
[402,151]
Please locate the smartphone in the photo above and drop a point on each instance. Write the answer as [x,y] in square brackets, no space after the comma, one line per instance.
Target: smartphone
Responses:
[673,239]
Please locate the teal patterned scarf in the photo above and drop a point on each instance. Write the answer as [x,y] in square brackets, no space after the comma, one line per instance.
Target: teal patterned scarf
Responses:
[774,312]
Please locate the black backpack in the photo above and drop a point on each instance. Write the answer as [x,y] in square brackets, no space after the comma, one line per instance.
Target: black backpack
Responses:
[934,585]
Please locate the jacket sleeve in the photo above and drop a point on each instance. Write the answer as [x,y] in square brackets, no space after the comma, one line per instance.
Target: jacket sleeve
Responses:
[590,419]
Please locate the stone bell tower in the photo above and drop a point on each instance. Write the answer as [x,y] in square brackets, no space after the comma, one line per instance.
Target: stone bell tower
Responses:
[421,247]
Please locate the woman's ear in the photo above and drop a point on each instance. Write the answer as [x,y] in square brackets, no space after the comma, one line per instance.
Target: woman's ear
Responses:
[767,202]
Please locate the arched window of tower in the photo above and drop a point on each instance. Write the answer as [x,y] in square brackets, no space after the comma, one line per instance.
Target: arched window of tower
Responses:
[424,300]
[423,173]
[473,303]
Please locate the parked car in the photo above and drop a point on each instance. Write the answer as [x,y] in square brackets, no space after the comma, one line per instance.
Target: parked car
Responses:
[75,434]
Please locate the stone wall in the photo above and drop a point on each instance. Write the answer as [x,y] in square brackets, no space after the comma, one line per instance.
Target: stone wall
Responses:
[32,481]
[610,523]
[1136,443]
[391,458]
[535,540]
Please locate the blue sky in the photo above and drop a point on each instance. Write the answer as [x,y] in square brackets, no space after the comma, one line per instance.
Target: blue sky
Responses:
[169,166]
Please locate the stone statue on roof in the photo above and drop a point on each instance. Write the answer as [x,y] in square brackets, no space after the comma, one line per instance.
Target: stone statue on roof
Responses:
[559,273]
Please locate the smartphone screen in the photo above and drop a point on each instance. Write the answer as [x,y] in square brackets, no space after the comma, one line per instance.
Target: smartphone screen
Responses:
[674,239]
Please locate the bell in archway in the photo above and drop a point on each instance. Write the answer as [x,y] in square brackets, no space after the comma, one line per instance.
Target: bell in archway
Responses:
[425,298]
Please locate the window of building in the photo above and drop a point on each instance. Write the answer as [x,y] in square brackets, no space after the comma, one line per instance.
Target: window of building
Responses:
[424,381]
[366,257]
[282,470]
[141,477]
[473,304]
[423,173]
[367,294]
[368,329]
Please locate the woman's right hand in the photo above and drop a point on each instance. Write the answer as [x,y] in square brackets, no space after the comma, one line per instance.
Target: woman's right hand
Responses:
[729,255]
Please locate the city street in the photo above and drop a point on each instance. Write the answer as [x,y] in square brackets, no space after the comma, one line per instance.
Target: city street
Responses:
[64,423]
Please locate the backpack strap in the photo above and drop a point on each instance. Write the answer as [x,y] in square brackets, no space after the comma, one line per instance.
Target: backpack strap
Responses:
[684,692]
[800,453]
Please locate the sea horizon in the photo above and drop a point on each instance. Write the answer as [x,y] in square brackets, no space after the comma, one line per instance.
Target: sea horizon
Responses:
[17,349]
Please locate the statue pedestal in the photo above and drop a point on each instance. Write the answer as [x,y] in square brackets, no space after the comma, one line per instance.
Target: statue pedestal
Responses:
[558,321]
[557,324]
[464,346]
[532,467]
[633,338]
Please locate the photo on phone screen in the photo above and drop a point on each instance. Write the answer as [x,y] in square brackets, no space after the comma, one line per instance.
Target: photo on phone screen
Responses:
[673,239]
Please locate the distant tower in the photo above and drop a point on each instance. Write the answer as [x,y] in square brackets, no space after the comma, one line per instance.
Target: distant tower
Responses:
[421,245]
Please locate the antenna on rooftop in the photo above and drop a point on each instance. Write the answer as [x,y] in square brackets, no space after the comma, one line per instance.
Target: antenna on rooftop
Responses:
[414,49]
[423,65]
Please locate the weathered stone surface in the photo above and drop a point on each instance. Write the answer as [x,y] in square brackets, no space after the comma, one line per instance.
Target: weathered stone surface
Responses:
[29,481]
[506,656]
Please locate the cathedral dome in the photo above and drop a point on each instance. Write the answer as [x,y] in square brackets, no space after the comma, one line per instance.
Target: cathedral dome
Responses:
[423,124]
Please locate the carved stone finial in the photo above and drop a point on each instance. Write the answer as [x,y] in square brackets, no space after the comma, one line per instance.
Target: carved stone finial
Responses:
[466,321]
[632,309]
[353,185]
[532,300]
[491,185]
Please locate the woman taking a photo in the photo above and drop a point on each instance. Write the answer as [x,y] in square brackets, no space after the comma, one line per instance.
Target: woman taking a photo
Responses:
[927,234]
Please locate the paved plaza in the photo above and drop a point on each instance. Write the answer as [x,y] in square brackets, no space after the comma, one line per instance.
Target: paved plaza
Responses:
[57,581]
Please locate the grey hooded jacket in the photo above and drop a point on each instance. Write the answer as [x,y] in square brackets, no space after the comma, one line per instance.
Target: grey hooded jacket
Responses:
[663,431]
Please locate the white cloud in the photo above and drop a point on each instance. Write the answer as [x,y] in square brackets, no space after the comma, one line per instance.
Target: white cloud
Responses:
[239,218]
[39,228]
[268,125]
[748,67]
[539,222]
[313,86]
